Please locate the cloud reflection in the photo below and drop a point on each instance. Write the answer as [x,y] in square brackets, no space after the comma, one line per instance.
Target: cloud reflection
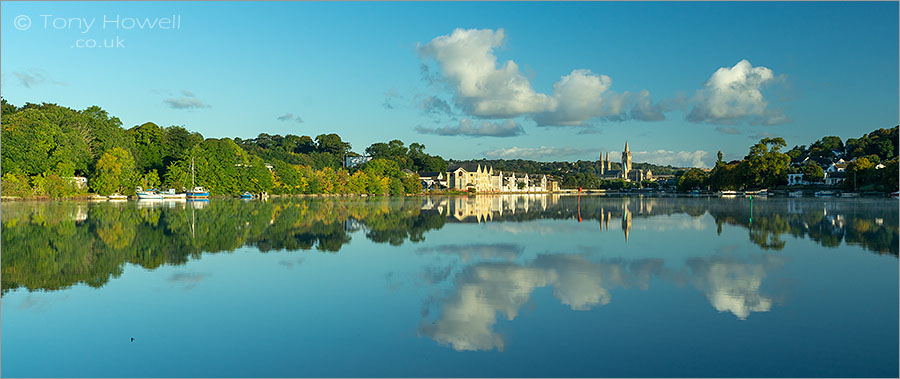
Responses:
[468,313]
[734,286]
[483,290]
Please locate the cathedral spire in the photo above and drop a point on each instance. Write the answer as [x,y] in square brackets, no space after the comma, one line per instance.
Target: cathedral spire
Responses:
[626,145]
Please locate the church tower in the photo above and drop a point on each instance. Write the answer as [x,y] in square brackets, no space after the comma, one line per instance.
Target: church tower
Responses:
[626,161]
[602,165]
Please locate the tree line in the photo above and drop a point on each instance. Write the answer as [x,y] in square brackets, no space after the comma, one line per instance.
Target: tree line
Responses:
[46,145]
[871,164]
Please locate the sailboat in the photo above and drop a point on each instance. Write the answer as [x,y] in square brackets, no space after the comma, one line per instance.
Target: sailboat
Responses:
[196,193]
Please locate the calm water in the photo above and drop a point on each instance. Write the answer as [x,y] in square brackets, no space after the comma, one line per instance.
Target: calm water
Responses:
[488,286]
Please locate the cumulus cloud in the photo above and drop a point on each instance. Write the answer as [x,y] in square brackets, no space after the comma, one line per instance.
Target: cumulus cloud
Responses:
[538,153]
[484,89]
[674,158]
[580,96]
[290,117]
[466,127]
[734,94]
[645,110]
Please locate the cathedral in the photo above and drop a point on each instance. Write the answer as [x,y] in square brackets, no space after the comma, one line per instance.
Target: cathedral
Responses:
[627,172]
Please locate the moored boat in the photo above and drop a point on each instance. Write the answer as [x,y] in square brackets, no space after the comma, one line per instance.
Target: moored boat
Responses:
[796,194]
[729,194]
[895,194]
[824,193]
[197,193]
[117,196]
[246,195]
[99,198]
[172,195]
[849,194]
[148,194]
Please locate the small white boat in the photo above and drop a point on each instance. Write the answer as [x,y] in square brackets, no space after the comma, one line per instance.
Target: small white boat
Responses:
[117,196]
[895,194]
[849,194]
[824,193]
[148,195]
[796,194]
[99,198]
[729,194]
[171,195]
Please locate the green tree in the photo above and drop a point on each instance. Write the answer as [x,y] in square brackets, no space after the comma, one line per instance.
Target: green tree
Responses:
[150,180]
[694,178]
[766,166]
[812,172]
[115,172]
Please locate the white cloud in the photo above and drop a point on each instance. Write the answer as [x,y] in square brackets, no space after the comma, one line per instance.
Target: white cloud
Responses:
[734,94]
[488,89]
[466,127]
[484,89]
[581,96]
[537,153]
[668,157]
[645,110]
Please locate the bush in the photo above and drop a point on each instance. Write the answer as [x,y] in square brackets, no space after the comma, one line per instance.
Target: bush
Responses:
[15,185]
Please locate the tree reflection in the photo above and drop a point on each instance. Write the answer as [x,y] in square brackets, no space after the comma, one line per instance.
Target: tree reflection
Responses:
[54,245]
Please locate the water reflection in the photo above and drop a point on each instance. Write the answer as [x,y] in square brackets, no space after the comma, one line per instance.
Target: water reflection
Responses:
[467,313]
[53,245]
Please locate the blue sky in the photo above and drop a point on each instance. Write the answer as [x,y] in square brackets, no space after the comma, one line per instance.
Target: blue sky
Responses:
[547,81]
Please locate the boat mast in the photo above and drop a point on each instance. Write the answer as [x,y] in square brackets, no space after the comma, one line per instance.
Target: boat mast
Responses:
[192,173]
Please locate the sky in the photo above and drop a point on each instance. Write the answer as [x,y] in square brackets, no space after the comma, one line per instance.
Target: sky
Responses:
[545,81]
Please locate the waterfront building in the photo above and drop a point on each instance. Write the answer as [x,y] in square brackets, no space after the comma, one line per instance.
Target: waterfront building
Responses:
[433,180]
[485,179]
